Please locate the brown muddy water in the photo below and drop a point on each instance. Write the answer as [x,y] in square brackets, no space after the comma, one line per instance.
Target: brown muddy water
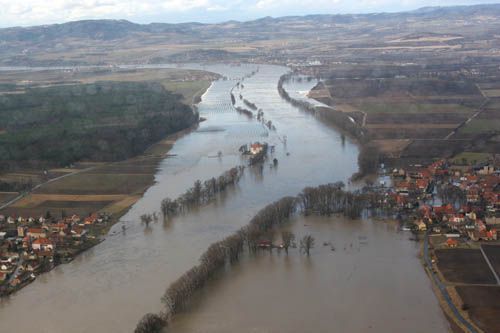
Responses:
[110,287]
[370,282]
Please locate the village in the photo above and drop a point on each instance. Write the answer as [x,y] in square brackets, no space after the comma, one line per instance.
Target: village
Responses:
[455,207]
[31,246]
[461,202]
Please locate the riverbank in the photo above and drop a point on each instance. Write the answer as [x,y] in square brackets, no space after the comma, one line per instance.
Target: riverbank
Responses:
[140,262]
[369,157]
[340,119]
[73,212]
[458,302]
[176,299]
[83,231]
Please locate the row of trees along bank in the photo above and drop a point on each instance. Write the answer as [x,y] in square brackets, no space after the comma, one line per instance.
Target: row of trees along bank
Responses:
[201,193]
[369,156]
[322,200]
[338,118]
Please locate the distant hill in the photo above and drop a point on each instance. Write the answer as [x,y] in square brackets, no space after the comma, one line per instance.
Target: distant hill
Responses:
[267,39]
[117,29]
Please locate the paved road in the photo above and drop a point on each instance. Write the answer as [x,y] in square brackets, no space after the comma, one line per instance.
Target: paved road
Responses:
[442,288]
[19,197]
[479,111]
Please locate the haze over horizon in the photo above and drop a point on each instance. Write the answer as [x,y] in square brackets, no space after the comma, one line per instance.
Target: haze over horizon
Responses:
[39,12]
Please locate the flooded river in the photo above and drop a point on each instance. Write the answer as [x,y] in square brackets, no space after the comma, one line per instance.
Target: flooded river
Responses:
[110,287]
[361,276]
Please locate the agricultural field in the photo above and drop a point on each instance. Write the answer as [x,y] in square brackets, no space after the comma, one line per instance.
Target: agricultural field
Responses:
[6,196]
[414,118]
[464,266]
[186,83]
[478,126]
[110,188]
[98,183]
[493,254]
[190,90]
[470,158]
[87,186]
[483,305]
[405,109]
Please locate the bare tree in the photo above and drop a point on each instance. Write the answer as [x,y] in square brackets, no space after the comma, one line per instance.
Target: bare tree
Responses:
[287,237]
[146,219]
[150,323]
[306,244]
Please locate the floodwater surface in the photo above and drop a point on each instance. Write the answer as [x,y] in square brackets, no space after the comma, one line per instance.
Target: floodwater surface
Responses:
[110,287]
[361,276]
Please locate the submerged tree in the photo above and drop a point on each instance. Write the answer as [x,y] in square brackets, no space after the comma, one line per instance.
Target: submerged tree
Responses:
[288,238]
[201,193]
[322,200]
[306,244]
[150,323]
[146,219]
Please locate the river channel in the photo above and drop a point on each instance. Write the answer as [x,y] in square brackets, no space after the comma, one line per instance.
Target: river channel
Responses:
[110,287]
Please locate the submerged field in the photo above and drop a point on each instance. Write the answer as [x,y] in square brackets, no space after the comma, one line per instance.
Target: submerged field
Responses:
[337,289]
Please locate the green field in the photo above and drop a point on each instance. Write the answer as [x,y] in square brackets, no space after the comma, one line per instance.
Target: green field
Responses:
[468,158]
[105,183]
[477,126]
[413,108]
[188,89]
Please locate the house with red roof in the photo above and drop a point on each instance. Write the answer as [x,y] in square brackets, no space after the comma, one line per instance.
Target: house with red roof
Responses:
[36,233]
[422,184]
[256,148]
[403,188]
[42,244]
[445,209]
[473,195]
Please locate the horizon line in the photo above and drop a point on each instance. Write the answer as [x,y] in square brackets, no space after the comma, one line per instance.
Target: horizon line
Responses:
[249,20]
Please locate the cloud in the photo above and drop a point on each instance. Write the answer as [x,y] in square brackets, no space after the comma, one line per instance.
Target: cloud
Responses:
[217,8]
[32,12]
[43,11]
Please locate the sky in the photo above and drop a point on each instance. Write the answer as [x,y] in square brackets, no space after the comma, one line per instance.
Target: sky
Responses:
[37,12]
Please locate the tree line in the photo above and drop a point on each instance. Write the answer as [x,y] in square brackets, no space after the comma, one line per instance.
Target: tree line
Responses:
[105,121]
[329,199]
[201,193]
[369,157]
[250,104]
[321,200]
[338,118]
